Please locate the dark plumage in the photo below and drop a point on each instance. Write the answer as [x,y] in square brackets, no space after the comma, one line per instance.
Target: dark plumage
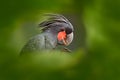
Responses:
[48,39]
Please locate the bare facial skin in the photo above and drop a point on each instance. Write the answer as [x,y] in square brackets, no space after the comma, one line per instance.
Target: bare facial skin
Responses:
[66,39]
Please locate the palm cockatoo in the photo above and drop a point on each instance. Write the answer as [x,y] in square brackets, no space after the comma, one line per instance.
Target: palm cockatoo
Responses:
[56,30]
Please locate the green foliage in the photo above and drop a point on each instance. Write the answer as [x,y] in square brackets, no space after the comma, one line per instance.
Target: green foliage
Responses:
[95,47]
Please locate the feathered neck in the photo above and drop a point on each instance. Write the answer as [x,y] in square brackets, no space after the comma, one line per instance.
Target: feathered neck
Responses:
[50,39]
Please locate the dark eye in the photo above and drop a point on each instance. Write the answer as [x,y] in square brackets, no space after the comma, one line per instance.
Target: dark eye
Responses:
[62,29]
[68,30]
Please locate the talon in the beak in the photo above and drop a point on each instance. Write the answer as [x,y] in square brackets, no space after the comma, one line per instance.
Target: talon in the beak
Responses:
[65,42]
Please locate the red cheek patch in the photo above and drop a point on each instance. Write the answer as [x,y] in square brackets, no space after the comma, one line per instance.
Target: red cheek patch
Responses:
[61,35]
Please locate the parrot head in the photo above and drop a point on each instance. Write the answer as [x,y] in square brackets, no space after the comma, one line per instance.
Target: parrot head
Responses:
[60,27]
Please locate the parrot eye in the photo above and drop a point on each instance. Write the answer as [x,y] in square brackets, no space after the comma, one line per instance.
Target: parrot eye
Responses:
[62,29]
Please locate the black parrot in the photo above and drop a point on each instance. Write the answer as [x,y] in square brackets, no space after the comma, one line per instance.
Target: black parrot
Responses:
[56,30]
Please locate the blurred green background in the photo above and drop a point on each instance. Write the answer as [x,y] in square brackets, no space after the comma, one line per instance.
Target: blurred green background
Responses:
[96,45]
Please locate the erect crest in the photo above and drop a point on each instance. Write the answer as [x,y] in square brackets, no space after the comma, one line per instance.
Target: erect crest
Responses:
[54,18]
